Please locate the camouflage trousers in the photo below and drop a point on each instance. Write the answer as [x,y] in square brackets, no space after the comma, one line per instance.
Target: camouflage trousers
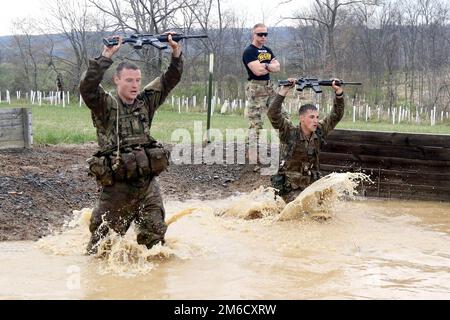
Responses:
[124,202]
[259,95]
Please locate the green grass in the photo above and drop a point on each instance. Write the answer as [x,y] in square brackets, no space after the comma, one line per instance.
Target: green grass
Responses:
[73,125]
[53,125]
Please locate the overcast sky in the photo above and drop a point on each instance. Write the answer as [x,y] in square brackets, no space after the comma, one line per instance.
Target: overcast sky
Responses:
[253,10]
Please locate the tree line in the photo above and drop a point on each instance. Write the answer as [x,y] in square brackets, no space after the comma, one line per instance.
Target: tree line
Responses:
[399,49]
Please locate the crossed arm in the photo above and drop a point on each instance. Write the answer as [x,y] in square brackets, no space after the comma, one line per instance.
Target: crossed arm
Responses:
[261,69]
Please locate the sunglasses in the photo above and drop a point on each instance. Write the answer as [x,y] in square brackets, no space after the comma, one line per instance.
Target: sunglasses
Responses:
[262,34]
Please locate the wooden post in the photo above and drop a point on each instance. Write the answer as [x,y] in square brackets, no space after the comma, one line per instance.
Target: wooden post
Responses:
[27,128]
[393,115]
[210,92]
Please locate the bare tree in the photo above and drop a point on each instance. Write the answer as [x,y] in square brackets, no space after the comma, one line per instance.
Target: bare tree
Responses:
[82,29]
[28,53]
[215,23]
[142,16]
[327,15]
[433,50]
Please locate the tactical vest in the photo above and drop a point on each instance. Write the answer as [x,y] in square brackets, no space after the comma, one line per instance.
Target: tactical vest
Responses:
[140,155]
[134,126]
[301,159]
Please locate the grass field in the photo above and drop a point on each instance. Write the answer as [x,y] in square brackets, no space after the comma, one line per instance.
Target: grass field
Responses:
[53,125]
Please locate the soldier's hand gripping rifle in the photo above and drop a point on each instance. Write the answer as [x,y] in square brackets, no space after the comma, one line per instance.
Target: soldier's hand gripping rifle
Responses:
[139,40]
[313,83]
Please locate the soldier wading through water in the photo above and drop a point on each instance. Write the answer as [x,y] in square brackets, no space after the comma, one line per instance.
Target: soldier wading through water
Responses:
[129,159]
[300,145]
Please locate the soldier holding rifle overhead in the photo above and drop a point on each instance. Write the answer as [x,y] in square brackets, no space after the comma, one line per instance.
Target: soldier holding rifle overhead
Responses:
[128,159]
[301,145]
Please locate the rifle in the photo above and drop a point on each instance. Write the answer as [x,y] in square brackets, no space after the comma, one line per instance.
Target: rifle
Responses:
[314,83]
[139,40]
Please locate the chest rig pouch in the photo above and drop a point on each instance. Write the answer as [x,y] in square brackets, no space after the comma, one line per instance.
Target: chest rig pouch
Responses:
[141,161]
[158,158]
[136,154]
[99,168]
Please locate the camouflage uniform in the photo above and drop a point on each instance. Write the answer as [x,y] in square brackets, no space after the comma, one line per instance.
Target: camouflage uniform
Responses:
[299,156]
[259,95]
[130,191]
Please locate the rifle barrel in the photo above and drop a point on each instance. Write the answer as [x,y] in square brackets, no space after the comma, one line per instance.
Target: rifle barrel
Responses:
[338,83]
[178,37]
[143,37]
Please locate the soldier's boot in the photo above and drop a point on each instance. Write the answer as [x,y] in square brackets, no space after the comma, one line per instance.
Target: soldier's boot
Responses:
[151,228]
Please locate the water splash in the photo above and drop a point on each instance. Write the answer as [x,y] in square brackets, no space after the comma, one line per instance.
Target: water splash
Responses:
[260,203]
[117,254]
[73,238]
[122,255]
[316,201]
[177,216]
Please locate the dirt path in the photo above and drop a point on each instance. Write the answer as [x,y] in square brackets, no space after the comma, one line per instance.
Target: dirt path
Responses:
[39,188]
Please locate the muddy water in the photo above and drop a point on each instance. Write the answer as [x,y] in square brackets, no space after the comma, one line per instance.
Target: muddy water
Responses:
[371,249]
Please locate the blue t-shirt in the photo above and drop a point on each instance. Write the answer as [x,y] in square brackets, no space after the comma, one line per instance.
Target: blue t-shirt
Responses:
[263,55]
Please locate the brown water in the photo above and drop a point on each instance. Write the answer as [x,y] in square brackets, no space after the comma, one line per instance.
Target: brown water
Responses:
[370,249]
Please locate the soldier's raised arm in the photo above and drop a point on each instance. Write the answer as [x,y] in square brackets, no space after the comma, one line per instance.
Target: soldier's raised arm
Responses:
[275,115]
[159,88]
[329,122]
[90,89]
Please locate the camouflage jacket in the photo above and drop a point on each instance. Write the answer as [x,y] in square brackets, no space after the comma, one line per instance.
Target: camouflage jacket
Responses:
[134,120]
[300,156]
